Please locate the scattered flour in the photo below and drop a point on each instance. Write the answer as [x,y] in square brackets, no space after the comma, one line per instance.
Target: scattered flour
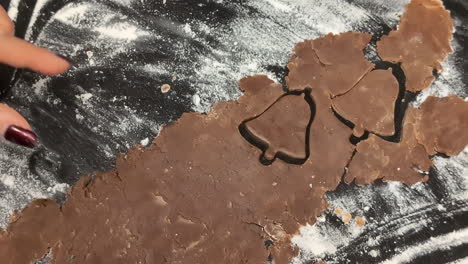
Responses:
[121,30]
[85,98]
[450,81]
[374,253]
[279,5]
[59,187]
[312,243]
[39,4]
[196,100]
[108,25]
[40,86]
[188,30]
[8,180]
[447,241]
[145,142]
[460,261]
[13,9]
[251,43]
[408,201]
[19,185]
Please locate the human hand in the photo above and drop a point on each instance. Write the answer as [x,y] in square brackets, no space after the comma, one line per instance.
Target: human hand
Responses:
[22,54]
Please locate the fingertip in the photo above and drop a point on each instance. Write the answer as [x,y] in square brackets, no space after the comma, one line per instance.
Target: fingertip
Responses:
[15,128]
[21,136]
[22,54]
[52,64]
[54,71]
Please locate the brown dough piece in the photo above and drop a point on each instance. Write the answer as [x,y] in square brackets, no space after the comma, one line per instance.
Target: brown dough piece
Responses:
[421,42]
[370,105]
[22,245]
[439,126]
[443,126]
[334,63]
[283,127]
[379,159]
[198,197]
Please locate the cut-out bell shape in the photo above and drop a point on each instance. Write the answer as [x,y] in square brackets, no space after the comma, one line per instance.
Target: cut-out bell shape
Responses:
[379,90]
[281,131]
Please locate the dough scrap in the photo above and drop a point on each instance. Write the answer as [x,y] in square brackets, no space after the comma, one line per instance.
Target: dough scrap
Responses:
[334,63]
[443,125]
[421,42]
[379,159]
[438,126]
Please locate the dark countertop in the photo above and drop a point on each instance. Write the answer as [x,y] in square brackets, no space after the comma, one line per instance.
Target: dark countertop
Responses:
[111,100]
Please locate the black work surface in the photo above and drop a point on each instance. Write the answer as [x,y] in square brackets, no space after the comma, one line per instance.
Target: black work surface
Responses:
[110,101]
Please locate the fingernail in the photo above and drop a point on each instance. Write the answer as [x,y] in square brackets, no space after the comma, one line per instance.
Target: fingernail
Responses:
[67,59]
[21,136]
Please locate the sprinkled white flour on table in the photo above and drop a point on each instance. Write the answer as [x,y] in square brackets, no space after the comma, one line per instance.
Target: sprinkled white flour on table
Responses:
[124,57]
[18,184]
[13,9]
[452,239]
[144,142]
[449,81]
[410,207]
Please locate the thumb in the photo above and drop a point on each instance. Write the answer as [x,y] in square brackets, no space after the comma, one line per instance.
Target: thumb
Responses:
[6,25]
[14,128]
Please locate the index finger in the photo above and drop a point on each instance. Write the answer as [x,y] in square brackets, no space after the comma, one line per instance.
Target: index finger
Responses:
[22,54]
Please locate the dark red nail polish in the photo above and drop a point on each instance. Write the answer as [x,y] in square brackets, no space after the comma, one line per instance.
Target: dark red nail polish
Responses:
[21,136]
